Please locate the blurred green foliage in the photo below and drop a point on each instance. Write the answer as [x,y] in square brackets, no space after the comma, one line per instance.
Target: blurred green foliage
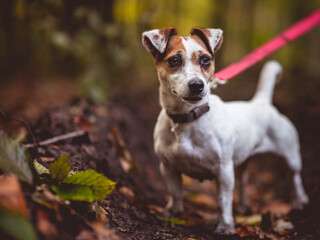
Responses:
[97,42]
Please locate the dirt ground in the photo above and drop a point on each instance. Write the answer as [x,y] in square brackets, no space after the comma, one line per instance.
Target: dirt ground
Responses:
[118,143]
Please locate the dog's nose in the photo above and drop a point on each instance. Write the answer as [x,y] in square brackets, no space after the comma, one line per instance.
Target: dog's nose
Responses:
[196,86]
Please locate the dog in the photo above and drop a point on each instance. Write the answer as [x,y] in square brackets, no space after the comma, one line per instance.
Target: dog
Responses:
[199,135]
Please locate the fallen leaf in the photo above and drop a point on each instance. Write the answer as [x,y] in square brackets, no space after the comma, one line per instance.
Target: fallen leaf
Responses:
[203,200]
[128,164]
[47,159]
[267,235]
[40,168]
[85,186]
[44,226]
[60,169]
[14,158]
[154,209]
[186,180]
[84,123]
[251,220]
[127,192]
[74,192]
[11,196]
[246,231]
[277,208]
[282,226]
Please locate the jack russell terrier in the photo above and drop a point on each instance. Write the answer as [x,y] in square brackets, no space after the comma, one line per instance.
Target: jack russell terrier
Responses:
[199,135]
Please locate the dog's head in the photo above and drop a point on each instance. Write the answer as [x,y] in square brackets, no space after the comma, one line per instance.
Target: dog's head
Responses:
[185,65]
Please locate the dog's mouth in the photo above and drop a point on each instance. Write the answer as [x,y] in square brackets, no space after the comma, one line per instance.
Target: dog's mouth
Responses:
[192,99]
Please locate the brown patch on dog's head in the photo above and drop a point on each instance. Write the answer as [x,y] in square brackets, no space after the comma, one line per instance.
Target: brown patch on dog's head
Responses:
[156,41]
[174,46]
[211,38]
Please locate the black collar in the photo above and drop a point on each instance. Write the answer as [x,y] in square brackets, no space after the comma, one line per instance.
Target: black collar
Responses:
[194,114]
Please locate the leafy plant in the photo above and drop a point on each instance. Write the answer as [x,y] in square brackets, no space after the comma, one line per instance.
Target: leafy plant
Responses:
[14,158]
[82,186]
[100,185]
[60,169]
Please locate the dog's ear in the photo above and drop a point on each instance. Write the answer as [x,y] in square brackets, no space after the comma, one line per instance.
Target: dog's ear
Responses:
[211,37]
[157,40]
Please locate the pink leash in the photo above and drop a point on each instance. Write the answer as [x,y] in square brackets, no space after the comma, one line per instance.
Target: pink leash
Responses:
[295,31]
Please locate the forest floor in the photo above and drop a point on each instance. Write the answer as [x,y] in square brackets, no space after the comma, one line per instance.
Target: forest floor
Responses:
[116,140]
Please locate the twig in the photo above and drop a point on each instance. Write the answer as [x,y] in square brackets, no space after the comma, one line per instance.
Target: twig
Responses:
[128,164]
[58,138]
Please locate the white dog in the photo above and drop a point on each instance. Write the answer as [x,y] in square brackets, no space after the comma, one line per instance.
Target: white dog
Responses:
[200,135]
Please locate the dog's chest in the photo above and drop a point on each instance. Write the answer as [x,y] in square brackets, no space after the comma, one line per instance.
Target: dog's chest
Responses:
[191,152]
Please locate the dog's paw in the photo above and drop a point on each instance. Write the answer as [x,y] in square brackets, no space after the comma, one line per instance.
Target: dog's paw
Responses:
[225,229]
[299,203]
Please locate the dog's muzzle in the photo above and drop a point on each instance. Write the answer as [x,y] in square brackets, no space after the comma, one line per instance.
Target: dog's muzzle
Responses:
[196,87]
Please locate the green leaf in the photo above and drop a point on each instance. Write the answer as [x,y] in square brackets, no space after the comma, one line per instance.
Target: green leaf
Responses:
[101,186]
[76,187]
[74,192]
[14,158]
[16,226]
[252,220]
[60,169]
[40,168]
[172,222]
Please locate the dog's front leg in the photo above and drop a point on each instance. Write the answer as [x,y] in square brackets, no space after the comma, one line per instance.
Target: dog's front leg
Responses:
[225,184]
[174,185]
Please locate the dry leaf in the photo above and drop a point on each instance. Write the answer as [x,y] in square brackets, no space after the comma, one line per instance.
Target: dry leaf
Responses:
[203,200]
[11,196]
[44,226]
[283,226]
[128,164]
[47,159]
[154,209]
[127,192]
[246,231]
[252,220]
[84,123]
[277,208]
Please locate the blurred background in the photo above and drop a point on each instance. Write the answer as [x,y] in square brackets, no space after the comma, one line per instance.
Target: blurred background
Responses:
[53,51]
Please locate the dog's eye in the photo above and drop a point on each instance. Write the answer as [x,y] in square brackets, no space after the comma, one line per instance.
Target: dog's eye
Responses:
[204,61]
[175,61]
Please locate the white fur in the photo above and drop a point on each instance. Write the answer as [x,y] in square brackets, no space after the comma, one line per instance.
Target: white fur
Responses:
[223,138]
[159,43]
[215,37]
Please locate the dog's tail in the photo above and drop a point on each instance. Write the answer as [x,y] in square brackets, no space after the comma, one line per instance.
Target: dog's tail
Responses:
[270,74]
